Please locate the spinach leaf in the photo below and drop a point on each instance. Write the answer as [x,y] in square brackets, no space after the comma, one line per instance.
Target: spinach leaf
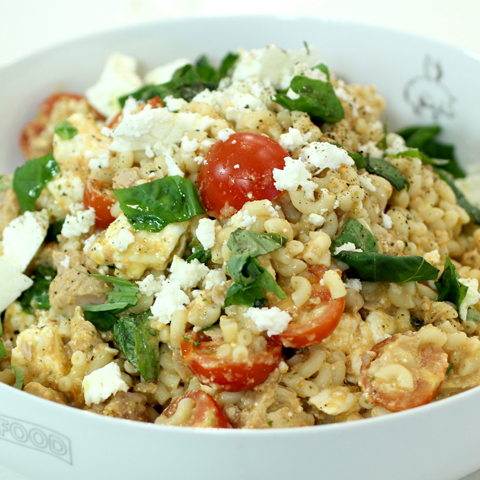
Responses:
[54,229]
[139,343]
[198,252]
[104,321]
[5,183]
[473,315]
[417,136]
[448,286]
[205,71]
[357,158]
[316,98]
[415,153]
[3,351]
[473,212]
[226,65]
[323,68]
[37,295]
[381,167]
[65,130]
[143,94]
[154,205]
[354,232]
[19,378]
[31,178]
[253,244]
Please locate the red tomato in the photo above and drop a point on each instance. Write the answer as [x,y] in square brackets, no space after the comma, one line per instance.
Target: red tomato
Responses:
[224,373]
[315,320]
[427,364]
[100,199]
[206,413]
[239,170]
[47,105]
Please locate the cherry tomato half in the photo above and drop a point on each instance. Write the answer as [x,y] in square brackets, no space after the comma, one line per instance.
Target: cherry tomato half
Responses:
[239,170]
[397,385]
[101,200]
[200,356]
[315,320]
[206,412]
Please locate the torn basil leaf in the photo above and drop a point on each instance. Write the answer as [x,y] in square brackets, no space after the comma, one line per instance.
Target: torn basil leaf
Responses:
[139,343]
[104,321]
[354,232]
[323,68]
[473,212]
[31,178]
[153,205]
[65,130]
[448,285]
[19,377]
[143,94]
[381,167]
[473,315]
[253,244]
[37,295]
[317,98]
[54,229]
[198,252]
[226,65]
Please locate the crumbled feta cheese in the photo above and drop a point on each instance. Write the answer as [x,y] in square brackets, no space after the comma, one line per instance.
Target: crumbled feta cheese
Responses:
[172,167]
[366,182]
[432,257]
[102,383]
[124,238]
[303,70]
[294,139]
[186,274]
[294,175]
[236,166]
[273,320]
[89,242]
[65,263]
[243,219]
[321,155]
[354,283]
[396,144]
[170,299]
[347,247]
[370,148]
[189,145]
[101,161]
[471,298]
[224,134]
[164,73]
[12,283]
[316,220]
[22,238]
[206,233]
[214,277]
[118,78]
[343,95]
[65,189]
[199,159]
[292,95]
[150,285]
[387,221]
[79,223]
[131,105]
[174,104]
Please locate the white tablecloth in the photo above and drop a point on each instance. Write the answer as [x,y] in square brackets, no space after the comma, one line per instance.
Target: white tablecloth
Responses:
[27,26]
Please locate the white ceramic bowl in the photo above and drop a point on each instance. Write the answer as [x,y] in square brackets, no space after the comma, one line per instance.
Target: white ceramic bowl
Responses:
[423,81]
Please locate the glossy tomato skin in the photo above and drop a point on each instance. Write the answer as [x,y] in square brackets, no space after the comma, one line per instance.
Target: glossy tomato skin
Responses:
[101,200]
[225,374]
[206,413]
[314,321]
[239,170]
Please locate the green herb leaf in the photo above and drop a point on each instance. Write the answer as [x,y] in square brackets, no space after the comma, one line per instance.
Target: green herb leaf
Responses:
[3,351]
[417,136]
[226,65]
[253,244]
[379,166]
[154,205]
[205,71]
[448,286]
[104,321]
[37,295]
[358,159]
[354,232]
[30,179]
[139,343]
[190,340]
[19,378]
[65,130]
[323,68]
[473,315]
[473,212]
[54,229]
[449,368]
[198,252]
[317,98]
[384,139]
[307,48]
[416,322]
[5,182]
[415,153]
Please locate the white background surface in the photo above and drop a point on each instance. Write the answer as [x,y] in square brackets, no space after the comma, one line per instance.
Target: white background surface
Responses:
[29,25]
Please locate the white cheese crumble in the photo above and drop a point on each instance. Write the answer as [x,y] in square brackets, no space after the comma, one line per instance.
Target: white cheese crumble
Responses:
[189,145]
[236,166]
[224,134]
[118,78]
[273,320]
[174,104]
[387,221]
[293,176]
[65,263]
[78,223]
[22,238]
[396,144]
[89,242]
[124,238]
[188,275]
[347,247]
[150,285]
[294,139]
[432,257]
[366,182]
[164,73]
[206,233]
[101,161]
[316,220]
[12,283]
[353,283]
[172,167]
[370,148]
[214,278]
[243,219]
[102,383]
[292,95]
[131,105]
[471,298]
[321,155]
[170,299]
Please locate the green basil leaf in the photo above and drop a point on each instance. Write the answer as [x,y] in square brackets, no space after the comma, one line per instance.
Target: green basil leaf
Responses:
[354,232]
[198,252]
[143,94]
[381,167]
[317,98]
[448,286]
[37,295]
[473,212]
[244,269]
[473,315]
[30,179]
[358,159]
[124,336]
[415,137]
[378,267]
[205,71]
[323,68]
[19,378]
[253,244]
[65,130]
[154,205]
[241,295]
[54,229]
[5,182]
[3,351]
[415,153]
[226,65]
[104,321]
